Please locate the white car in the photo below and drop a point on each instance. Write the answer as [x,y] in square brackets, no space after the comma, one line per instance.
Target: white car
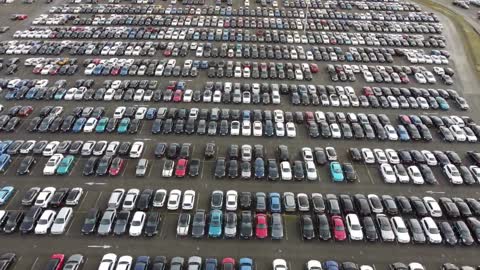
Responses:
[400,230]
[311,170]
[354,228]
[392,156]
[420,78]
[432,206]
[90,125]
[402,174]
[62,220]
[286,170]
[458,133]
[50,148]
[140,113]
[291,130]
[279,129]
[45,222]
[307,154]
[335,130]
[380,156]
[138,95]
[235,128]
[246,128]
[131,199]
[174,199]
[231,201]
[280,264]
[124,263]
[388,174]
[415,175]
[44,197]
[430,158]
[431,230]
[415,266]
[137,223]
[314,265]
[119,112]
[108,262]
[188,95]
[52,164]
[453,175]
[188,201]
[368,156]
[257,129]
[136,150]
[159,198]
[391,133]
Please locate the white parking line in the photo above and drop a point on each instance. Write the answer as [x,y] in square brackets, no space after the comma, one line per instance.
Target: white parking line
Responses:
[18,260]
[83,200]
[285,227]
[124,167]
[100,195]
[70,226]
[369,175]
[34,263]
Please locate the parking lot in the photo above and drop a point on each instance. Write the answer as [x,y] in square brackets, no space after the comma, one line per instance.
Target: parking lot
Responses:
[266,66]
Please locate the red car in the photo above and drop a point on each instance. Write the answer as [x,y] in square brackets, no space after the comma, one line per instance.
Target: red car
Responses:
[228,264]
[177,96]
[171,85]
[56,262]
[339,228]
[181,168]
[117,166]
[115,71]
[314,68]
[261,228]
[25,111]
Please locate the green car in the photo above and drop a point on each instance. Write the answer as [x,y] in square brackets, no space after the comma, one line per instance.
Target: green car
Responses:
[442,103]
[123,126]
[101,125]
[65,165]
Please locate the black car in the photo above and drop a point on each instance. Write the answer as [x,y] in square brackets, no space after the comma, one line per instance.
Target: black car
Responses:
[30,219]
[39,147]
[220,167]
[58,197]
[404,205]
[160,149]
[349,172]
[124,148]
[159,263]
[90,166]
[194,167]
[245,200]
[172,151]
[306,225]
[210,150]
[13,219]
[91,221]
[30,196]
[152,223]
[320,156]
[324,232]
[273,173]
[246,227]
[447,233]
[121,222]
[7,260]
[416,231]
[103,165]
[198,223]
[370,229]
[233,168]
[463,232]
[75,147]
[418,206]
[144,200]
[26,165]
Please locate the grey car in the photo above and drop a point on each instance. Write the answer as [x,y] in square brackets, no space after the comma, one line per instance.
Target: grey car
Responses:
[141,168]
[121,222]
[106,222]
[177,263]
[198,224]
[277,226]
[74,262]
[289,202]
[194,263]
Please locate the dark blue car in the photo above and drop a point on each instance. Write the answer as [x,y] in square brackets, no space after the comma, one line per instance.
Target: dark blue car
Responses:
[5,160]
[78,126]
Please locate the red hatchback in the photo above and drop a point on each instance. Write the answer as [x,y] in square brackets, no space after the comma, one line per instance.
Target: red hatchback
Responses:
[338,228]
[56,262]
[177,96]
[181,168]
[261,229]
[314,68]
[117,166]
[25,111]
[228,264]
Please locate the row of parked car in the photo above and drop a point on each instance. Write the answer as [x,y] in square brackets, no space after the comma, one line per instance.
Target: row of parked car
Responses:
[268,36]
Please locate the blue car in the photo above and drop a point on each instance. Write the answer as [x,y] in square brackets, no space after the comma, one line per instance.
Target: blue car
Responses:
[60,93]
[331,265]
[97,70]
[246,264]
[31,93]
[151,113]
[211,264]
[10,94]
[402,133]
[336,172]
[5,194]
[259,168]
[5,161]
[4,145]
[275,204]
[124,71]
[78,125]
[215,226]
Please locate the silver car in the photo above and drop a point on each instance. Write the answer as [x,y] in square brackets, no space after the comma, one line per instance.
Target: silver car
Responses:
[385,228]
[230,224]
[106,222]
[277,226]
[74,262]
[141,168]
